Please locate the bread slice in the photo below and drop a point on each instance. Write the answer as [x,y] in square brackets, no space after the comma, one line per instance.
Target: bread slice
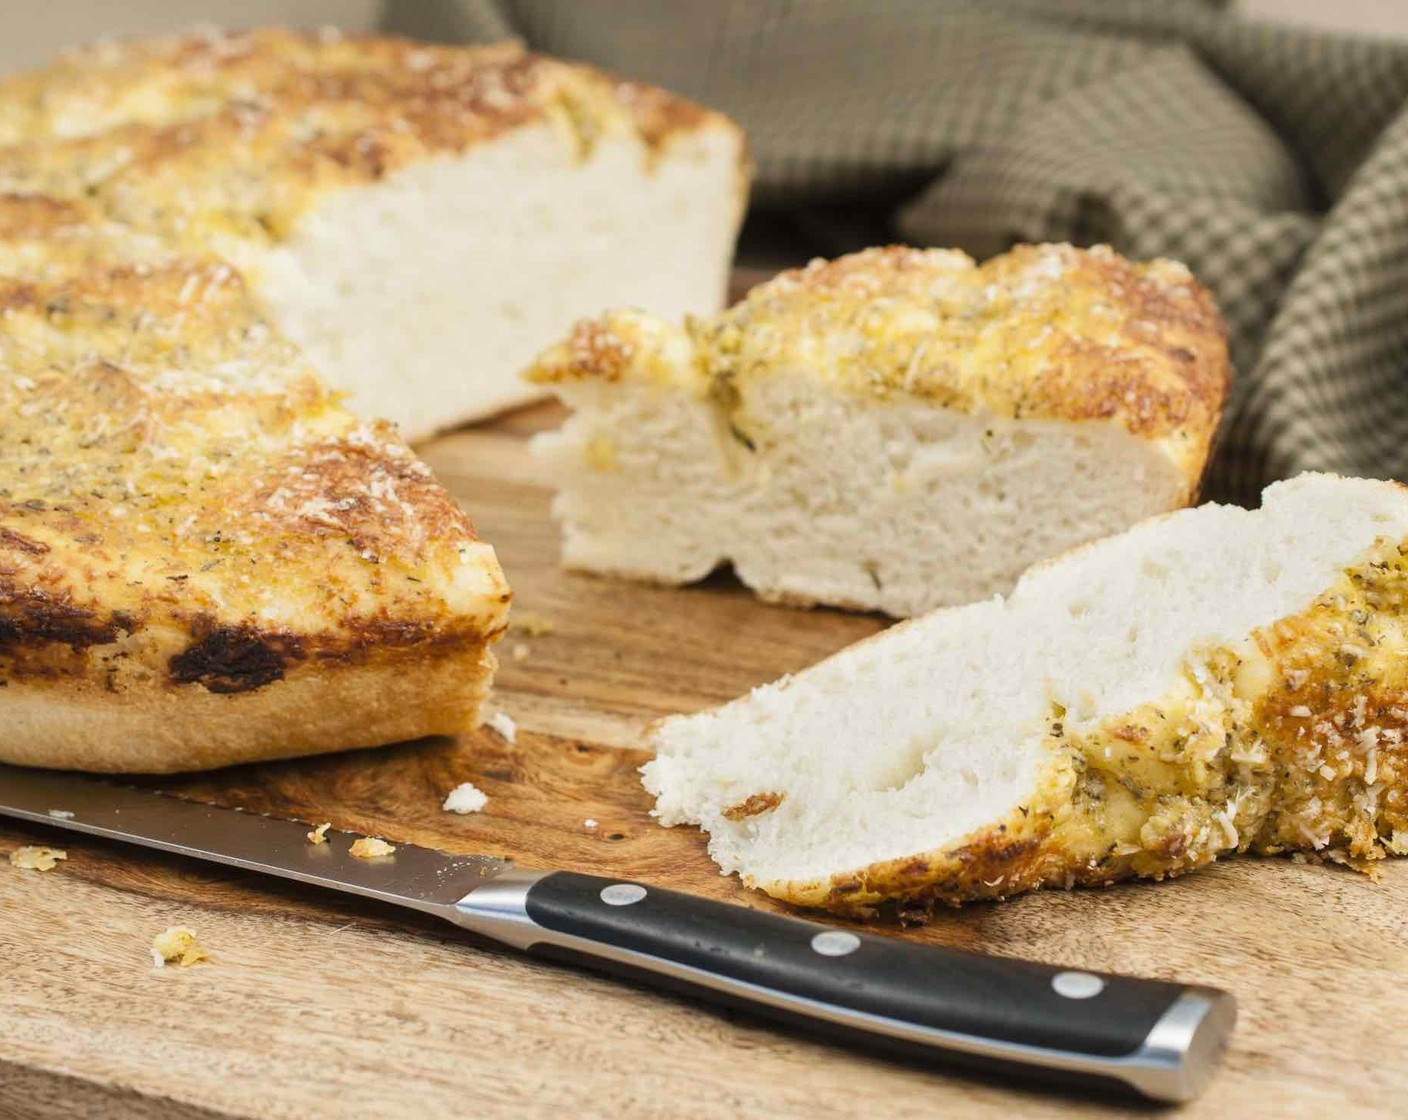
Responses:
[895,430]
[1214,681]
[204,558]
[420,219]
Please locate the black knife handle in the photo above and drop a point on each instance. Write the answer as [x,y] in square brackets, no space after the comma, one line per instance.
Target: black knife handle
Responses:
[1164,1040]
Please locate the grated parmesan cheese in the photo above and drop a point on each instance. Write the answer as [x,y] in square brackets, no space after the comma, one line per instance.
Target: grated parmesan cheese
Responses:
[177,945]
[369,847]
[34,858]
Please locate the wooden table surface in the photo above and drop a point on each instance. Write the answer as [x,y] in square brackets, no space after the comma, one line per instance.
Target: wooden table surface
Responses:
[315,1006]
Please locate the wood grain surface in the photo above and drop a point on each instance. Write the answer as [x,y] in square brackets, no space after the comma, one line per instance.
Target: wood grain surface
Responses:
[316,1006]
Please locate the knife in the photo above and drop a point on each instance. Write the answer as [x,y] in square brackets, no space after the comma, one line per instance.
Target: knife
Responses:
[1163,1040]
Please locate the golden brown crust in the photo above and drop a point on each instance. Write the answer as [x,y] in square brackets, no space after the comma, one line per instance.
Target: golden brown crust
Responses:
[225,134]
[1335,713]
[1042,332]
[186,510]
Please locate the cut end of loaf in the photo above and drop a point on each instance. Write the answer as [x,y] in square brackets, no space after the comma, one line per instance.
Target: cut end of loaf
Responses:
[458,270]
[1214,681]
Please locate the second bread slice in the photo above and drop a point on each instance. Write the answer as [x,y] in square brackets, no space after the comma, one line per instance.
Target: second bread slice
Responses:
[1214,681]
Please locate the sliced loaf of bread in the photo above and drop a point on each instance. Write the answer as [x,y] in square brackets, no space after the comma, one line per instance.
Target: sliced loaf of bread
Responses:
[1217,680]
[420,220]
[896,430]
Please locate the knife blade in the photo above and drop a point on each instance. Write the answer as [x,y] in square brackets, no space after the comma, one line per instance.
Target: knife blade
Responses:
[1162,1039]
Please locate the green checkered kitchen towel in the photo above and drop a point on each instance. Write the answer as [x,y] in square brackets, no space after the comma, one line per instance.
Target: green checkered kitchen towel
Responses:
[1273,161]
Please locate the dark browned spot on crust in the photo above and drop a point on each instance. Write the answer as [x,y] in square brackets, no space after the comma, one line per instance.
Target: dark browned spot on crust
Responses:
[363,637]
[758,803]
[991,867]
[32,616]
[229,659]
[996,851]
[17,542]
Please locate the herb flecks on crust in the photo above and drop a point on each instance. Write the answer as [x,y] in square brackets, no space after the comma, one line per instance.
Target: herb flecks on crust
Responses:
[1041,332]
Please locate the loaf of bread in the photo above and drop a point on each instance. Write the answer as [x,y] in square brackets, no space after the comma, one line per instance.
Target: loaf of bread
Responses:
[1213,681]
[895,430]
[204,558]
[421,220]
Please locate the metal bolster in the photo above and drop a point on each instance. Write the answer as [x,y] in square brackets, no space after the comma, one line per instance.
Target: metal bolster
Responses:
[1184,1048]
[499,909]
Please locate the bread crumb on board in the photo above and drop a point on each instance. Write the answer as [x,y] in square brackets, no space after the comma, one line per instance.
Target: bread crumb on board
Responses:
[531,624]
[177,945]
[369,847]
[589,823]
[503,723]
[319,835]
[34,858]
[520,651]
[465,798]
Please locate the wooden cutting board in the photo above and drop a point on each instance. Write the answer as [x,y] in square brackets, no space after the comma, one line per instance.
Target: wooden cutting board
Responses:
[315,1006]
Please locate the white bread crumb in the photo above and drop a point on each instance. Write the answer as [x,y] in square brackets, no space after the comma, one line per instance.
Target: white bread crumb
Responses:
[465,798]
[319,835]
[503,723]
